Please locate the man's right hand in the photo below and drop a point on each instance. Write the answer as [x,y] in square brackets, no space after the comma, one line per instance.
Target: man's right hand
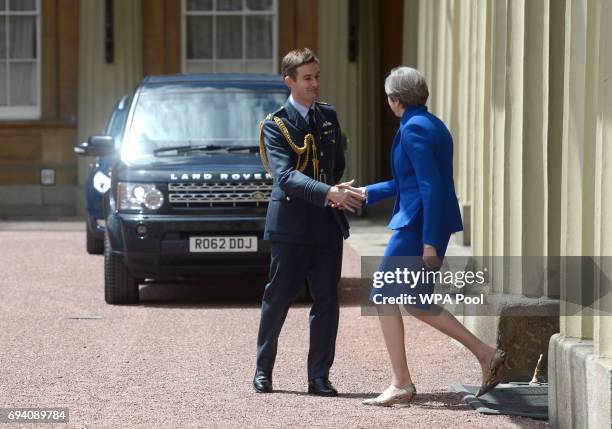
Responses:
[349,185]
[345,197]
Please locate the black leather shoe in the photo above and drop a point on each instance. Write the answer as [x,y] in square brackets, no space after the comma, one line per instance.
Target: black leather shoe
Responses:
[322,387]
[262,382]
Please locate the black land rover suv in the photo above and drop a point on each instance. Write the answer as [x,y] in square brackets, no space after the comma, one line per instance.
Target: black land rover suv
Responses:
[188,192]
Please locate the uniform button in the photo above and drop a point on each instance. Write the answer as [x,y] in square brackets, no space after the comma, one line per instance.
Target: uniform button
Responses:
[321,154]
[287,198]
[322,170]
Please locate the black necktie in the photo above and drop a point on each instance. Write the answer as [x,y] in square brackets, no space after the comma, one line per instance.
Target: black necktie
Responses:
[311,118]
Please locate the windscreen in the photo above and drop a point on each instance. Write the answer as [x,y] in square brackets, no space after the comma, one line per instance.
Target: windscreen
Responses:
[116,123]
[227,117]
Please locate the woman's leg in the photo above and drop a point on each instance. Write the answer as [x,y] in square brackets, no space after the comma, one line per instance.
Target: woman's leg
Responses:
[401,388]
[392,325]
[446,323]
[391,321]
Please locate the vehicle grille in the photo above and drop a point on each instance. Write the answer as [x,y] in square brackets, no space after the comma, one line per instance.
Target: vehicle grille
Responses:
[219,194]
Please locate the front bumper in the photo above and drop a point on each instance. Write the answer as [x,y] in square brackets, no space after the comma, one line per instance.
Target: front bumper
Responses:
[163,254]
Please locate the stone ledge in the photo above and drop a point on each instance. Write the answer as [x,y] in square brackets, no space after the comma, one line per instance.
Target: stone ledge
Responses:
[37,201]
[50,212]
[580,385]
[60,195]
[21,195]
[521,326]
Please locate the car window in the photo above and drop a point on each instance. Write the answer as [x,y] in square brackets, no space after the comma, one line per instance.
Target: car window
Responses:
[117,123]
[227,117]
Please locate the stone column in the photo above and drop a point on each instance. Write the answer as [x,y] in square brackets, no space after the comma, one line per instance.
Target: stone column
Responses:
[469,142]
[101,85]
[461,106]
[480,210]
[353,87]
[339,84]
[410,49]
[580,357]
[577,180]
[499,21]
[426,45]
[603,190]
[519,144]
[370,91]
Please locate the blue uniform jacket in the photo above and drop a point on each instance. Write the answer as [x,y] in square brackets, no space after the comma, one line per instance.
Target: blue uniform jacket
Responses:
[422,167]
[297,211]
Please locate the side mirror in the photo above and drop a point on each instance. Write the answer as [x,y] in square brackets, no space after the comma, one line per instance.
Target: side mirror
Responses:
[96,146]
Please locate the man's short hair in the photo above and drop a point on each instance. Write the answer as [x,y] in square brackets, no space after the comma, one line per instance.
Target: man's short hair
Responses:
[408,86]
[295,59]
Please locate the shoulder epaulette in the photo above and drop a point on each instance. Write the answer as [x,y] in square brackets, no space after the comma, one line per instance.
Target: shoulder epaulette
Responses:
[305,150]
[277,111]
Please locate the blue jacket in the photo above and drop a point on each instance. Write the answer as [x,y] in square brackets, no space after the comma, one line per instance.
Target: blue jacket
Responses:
[422,168]
[297,211]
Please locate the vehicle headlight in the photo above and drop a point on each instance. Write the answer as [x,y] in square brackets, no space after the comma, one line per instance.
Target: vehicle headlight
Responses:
[101,182]
[135,196]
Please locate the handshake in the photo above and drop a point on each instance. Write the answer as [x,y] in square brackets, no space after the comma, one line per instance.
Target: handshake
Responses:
[344,196]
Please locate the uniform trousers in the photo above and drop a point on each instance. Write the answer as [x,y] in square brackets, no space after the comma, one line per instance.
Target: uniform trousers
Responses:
[292,265]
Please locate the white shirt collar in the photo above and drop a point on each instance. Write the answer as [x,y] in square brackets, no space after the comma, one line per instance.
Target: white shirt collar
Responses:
[302,110]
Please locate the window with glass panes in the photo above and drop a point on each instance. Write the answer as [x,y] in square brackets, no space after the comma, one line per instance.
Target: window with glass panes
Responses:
[19,59]
[229,36]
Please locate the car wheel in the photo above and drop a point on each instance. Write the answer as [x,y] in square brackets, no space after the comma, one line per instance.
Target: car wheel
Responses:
[95,246]
[119,286]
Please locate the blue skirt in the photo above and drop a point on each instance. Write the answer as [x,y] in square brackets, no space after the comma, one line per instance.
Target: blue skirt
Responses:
[405,251]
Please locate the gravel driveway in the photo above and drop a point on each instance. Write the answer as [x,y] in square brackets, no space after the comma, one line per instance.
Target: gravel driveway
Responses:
[184,357]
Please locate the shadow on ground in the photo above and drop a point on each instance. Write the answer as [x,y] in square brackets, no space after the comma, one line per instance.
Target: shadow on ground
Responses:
[215,292]
[243,292]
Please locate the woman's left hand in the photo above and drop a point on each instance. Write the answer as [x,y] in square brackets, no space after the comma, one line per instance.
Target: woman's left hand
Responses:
[430,257]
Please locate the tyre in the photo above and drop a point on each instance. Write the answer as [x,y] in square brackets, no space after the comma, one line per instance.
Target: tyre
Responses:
[95,246]
[119,286]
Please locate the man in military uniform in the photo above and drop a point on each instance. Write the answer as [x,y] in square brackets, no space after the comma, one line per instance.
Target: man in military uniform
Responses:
[301,145]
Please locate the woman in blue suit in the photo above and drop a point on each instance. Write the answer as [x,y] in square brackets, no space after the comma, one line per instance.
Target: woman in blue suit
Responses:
[425,215]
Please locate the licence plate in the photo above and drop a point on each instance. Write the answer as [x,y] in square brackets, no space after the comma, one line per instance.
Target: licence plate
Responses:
[223,244]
